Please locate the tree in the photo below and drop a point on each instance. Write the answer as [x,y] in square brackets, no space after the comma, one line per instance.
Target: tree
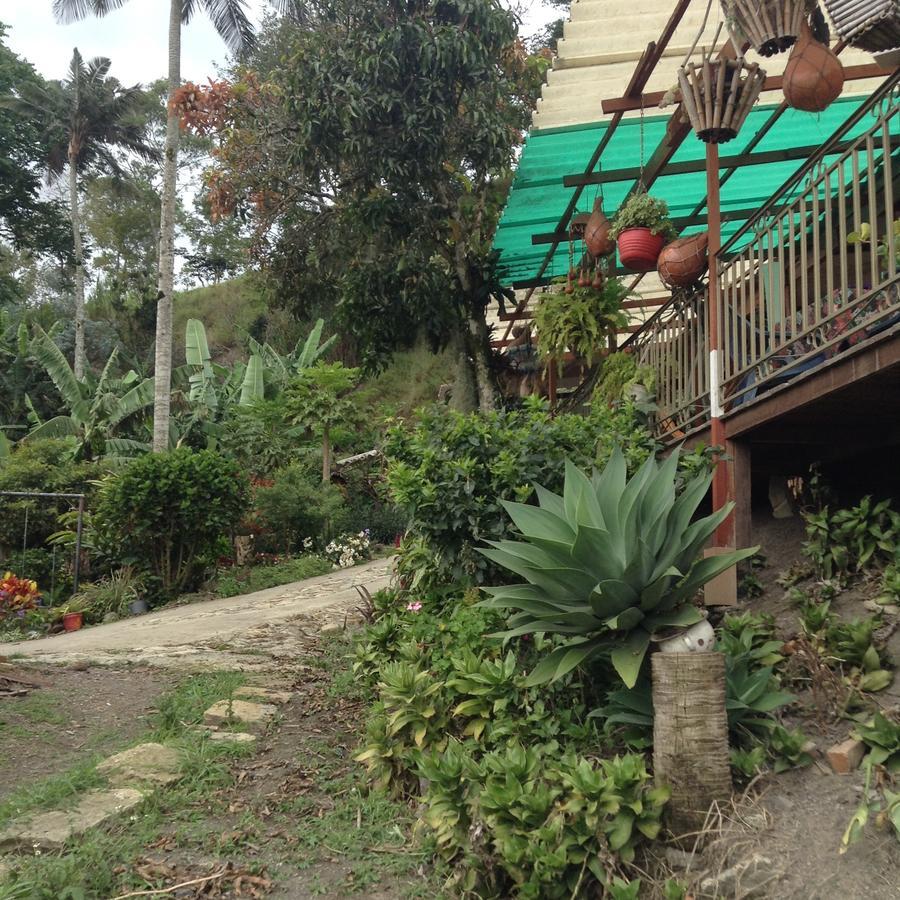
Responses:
[28,222]
[318,401]
[85,122]
[232,24]
[374,150]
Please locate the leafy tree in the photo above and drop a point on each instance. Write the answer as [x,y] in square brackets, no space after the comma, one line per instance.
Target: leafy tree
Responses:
[374,150]
[27,221]
[231,22]
[220,248]
[318,400]
[85,122]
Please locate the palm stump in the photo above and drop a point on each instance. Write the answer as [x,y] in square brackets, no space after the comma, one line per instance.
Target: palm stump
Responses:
[690,736]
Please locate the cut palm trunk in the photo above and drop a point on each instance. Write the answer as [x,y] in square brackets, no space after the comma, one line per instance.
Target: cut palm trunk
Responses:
[718,95]
[690,737]
[872,25]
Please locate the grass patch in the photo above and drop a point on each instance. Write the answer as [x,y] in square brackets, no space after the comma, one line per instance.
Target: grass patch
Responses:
[41,708]
[246,580]
[184,706]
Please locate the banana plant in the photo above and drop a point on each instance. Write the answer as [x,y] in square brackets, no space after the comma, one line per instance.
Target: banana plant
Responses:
[280,368]
[608,564]
[101,410]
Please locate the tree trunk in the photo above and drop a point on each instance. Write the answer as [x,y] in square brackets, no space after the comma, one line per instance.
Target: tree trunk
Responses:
[75,216]
[326,457]
[163,363]
[690,737]
[481,361]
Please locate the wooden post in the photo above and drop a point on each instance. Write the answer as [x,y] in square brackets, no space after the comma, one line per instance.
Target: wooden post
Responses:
[690,737]
[724,535]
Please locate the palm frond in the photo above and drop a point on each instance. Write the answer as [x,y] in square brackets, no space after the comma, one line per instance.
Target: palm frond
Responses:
[66,11]
[230,20]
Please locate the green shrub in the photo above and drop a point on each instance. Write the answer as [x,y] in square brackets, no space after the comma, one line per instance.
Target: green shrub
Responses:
[112,594]
[296,507]
[232,582]
[167,512]
[451,473]
[46,466]
[619,372]
[259,439]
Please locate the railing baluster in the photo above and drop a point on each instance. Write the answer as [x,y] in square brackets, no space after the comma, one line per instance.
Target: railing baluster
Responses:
[829,246]
[887,179]
[817,256]
[804,273]
[857,220]
[873,210]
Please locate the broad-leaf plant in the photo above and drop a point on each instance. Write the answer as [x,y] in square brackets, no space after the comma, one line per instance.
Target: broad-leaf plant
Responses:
[608,564]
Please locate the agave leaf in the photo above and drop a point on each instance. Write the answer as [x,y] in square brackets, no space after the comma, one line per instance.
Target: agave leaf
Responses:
[609,486]
[705,570]
[562,660]
[679,618]
[625,620]
[550,502]
[652,595]
[628,657]
[595,549]
[534,522]
[612,596]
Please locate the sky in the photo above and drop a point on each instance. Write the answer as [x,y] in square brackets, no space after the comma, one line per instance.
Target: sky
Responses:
[135,38]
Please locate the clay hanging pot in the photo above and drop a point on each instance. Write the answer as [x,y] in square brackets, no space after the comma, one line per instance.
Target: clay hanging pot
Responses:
[570,287]
[814,77]
[682,262]
[599,279]
[596,233]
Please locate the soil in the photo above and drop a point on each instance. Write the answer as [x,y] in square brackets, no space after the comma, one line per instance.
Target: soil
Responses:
[795,820]
[74,714]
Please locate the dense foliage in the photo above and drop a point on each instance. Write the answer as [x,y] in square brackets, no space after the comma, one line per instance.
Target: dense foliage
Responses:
[167,513]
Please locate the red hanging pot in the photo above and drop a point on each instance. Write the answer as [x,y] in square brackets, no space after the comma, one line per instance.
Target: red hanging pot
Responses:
[72,621]
[639,249]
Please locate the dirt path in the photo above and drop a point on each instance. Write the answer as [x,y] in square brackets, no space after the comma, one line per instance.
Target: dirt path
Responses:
[247,632]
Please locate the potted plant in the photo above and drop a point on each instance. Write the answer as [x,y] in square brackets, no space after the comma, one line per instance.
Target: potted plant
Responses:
[771,26]
[579,322]
[641,228]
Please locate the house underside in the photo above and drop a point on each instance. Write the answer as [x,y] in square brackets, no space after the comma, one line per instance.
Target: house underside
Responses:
[788,353]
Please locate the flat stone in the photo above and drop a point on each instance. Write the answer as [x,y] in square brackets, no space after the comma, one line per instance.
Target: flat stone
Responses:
[50,830]
[846,756]
[144,764]
[751,877]
[232,737]
[266,695]
[331,629]
[251,716]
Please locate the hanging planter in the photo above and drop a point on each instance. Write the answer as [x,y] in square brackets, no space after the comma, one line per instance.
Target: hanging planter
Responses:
[718,95]
[641,228]
[684,261]
[577,226]
[814,77]
[872,25]
[771,26]
[596,233]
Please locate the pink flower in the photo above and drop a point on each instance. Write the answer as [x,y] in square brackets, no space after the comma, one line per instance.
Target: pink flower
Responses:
[414,607]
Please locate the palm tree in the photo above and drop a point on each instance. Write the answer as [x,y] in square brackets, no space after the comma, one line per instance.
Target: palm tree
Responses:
[85,121]
[230,20]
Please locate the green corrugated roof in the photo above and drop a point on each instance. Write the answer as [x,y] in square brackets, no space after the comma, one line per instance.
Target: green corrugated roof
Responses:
[538,199]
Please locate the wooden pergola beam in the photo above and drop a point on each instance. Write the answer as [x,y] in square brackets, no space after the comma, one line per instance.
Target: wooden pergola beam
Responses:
[772,83]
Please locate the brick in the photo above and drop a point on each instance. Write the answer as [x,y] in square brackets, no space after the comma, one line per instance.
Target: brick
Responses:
[846,756]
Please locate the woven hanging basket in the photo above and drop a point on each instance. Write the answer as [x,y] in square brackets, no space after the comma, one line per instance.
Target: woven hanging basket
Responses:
[771,26]
[718,95]
[872,25]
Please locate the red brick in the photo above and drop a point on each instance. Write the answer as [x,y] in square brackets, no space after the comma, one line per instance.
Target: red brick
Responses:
[846,757]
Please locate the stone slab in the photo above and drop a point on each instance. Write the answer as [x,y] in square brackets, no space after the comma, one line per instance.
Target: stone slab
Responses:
[50,830]
[263,694]
[242,713]
[145,764]
[232,737]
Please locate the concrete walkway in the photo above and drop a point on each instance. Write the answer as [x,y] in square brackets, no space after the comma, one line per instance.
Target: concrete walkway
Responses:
[250,631]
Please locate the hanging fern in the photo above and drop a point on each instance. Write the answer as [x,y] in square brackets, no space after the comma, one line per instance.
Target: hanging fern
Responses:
[580,322]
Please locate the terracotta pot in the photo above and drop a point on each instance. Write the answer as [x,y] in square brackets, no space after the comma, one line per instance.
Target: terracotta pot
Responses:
[596,233]
[72,621]
[813,77]
[639,249]
[682,262]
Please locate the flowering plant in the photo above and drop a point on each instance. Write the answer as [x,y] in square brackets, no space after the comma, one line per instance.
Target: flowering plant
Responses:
[17,595]
[349,549]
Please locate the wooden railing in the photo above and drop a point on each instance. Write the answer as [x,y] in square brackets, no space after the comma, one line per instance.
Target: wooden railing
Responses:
[674,344]
[797,290]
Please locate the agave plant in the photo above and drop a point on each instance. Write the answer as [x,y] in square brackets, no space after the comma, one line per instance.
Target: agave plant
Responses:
[608,563]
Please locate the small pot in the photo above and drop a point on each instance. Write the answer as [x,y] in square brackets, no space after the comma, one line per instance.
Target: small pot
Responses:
[596,232]
[72,621]
[639,249]
[138,607]
[699,638]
